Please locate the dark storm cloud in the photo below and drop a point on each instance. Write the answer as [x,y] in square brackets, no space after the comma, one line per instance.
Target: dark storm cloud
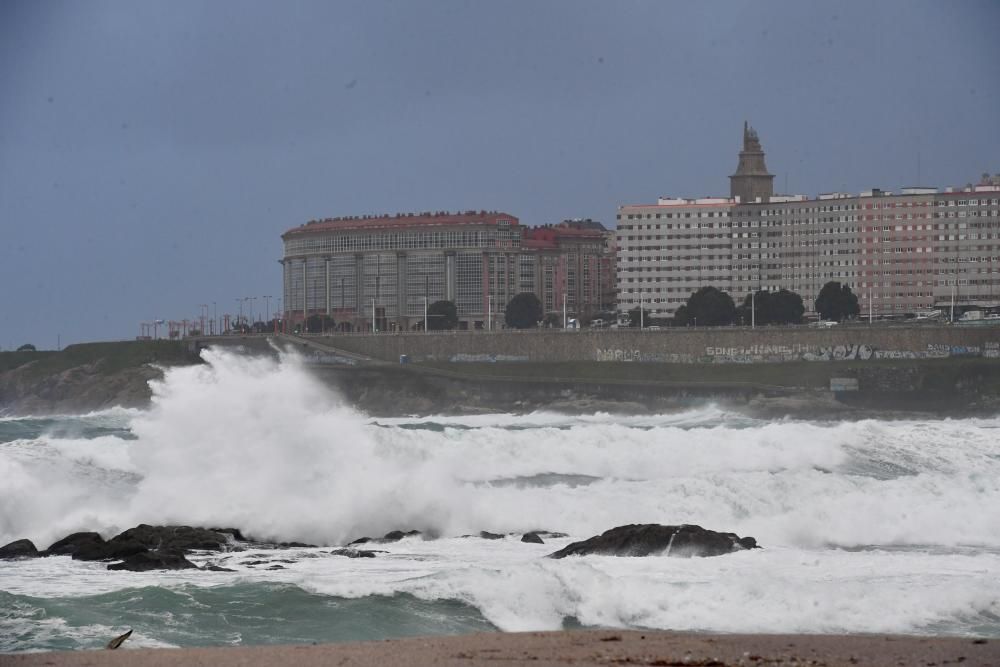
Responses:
[152,153]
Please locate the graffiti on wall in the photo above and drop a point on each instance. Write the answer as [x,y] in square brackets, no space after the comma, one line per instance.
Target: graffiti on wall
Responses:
[618,354]
[487,358]
[771,353]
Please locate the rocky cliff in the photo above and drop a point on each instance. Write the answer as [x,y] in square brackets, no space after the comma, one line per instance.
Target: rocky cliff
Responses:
[85,377]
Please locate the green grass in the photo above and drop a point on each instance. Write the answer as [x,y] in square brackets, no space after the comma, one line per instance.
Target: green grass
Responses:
[11,360]
[113,357]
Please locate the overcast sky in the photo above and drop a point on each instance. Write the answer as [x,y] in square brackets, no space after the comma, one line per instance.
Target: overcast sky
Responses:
[151,153]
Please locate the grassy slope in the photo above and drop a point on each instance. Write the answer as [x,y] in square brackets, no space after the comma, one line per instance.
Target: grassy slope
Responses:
[115,357]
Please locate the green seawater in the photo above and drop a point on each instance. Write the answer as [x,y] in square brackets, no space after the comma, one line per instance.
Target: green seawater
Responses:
[240,614]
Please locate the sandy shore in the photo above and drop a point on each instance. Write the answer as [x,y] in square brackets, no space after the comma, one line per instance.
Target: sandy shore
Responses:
[589,647]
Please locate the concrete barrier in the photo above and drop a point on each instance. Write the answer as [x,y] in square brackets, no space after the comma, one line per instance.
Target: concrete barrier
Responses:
[718,345]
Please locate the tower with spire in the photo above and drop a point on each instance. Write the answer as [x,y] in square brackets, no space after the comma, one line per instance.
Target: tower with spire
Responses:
[751,180]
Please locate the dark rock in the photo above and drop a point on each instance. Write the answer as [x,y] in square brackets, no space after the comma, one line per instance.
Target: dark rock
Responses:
[353,553]
[148,538]
[550,534]
[533,538]
[397,535]
[217,568]
[486,535]
[154,560]
[392,536]
[112,550]
[235,532]
[652,539]
[19,549]
[295,545]
[184,538]
[277,567]
[72,543]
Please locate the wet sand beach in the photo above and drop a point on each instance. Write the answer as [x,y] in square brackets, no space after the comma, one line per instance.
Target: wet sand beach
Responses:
[585,647]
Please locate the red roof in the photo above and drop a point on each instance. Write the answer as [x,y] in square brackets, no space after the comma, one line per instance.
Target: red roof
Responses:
[402,221]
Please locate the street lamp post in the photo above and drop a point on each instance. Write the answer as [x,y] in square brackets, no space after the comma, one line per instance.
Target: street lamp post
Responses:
[239,320]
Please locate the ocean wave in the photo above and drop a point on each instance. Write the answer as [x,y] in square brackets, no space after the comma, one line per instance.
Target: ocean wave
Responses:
[258,443]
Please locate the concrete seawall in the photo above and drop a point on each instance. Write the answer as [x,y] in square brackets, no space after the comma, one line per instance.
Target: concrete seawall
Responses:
[719,345]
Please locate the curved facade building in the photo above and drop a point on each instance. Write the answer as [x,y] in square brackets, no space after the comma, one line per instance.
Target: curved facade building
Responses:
[356,269]
[382,269]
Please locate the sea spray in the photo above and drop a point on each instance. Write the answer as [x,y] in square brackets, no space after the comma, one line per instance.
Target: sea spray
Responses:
[869,526]
[258,443]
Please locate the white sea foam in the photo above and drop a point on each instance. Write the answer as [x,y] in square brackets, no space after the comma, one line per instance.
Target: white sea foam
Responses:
[257,443]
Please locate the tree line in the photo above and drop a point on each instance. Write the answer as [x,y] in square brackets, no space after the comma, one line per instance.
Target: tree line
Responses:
[711,307]
[708,306]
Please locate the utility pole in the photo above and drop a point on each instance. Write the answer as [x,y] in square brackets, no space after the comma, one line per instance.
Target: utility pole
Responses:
[564,310]
[753,310]
[489,307]
[642,312]
[425,313]
[267,302]
[953,301]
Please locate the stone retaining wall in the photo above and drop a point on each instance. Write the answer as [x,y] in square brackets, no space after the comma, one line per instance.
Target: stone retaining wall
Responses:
[722,345]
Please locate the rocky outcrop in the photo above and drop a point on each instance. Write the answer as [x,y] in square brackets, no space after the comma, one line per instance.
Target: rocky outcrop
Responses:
[150,538]
[70,544]
[353,553]
[184,538]
[653,539]
[145,561]
[19,549]
[532,538]
[391,536]
[79,389]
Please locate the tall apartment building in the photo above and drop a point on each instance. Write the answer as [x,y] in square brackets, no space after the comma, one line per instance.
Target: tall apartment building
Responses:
[900,252]
[378,271]
[669,249]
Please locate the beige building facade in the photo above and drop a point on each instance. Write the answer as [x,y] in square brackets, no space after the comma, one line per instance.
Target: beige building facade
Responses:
[901,253]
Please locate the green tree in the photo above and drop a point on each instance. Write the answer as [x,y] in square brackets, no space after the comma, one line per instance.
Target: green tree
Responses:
[441,316]
[781,307]
[708,306]
[837,302]
[314,325]
[523,312]
[27,347]
[638,316]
